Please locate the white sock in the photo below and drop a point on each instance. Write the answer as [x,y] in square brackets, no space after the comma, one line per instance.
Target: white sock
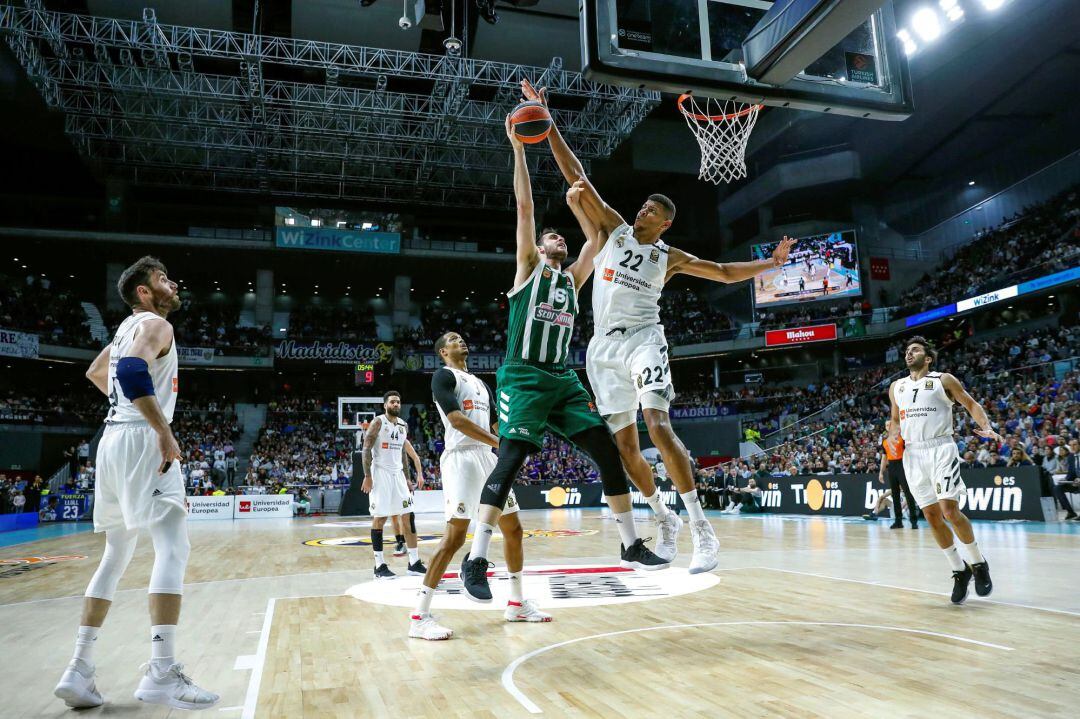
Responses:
[414,555]
[658,505]
[481,540]
[972,550]
[423,601]
[379,560]
[953,556]
[84,644]
[163,645]
[693,505]
[515,587]
[625,522]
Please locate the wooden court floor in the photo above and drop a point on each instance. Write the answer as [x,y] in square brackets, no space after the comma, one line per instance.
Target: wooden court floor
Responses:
[805,617]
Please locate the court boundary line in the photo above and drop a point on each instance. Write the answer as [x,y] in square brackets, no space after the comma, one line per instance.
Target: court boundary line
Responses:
[251,699]
[510,686]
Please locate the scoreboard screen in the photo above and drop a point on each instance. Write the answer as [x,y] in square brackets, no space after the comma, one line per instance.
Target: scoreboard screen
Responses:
[365,375]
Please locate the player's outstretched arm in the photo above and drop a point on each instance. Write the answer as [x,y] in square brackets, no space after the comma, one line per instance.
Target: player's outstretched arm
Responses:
[599,211]
[443,384]
[680,262]
[956,391]
[370,437]
[98,373]
[527,254]
[582,268]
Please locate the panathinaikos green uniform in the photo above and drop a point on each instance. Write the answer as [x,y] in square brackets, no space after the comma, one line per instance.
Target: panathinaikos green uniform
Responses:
[536,390]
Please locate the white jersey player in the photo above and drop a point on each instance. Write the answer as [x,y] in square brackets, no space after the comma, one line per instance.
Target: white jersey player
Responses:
[139,485]
[922,414]
[627,360]
[386,445]
[465,405]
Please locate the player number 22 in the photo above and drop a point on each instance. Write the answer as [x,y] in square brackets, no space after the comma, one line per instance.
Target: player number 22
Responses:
[638,259]
[649,378]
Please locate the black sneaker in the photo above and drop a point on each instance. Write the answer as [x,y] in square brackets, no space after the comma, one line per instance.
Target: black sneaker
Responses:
[983,584]
[399,549]
[896,525]
[383,572]
[417,568]
[638,556]
[474,579]
[871,517]
[961,580]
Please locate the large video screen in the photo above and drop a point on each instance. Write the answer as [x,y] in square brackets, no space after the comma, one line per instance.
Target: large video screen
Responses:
[819,267]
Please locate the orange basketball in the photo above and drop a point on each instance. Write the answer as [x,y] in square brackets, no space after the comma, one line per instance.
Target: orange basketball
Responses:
[531,122]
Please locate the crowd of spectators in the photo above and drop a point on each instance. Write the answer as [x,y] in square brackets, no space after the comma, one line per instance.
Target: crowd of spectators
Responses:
[84,407]
[1037,241]
[34,305]
[324,321]
[207,438]
[300,444]
[213,326]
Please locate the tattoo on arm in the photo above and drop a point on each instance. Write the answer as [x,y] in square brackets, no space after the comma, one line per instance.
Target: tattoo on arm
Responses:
[369,444]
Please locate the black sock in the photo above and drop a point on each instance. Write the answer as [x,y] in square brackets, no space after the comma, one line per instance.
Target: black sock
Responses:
[399,538]
[412,522]
[376,540]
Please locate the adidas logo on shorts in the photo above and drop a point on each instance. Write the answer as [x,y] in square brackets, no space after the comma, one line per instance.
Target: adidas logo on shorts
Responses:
[156,493]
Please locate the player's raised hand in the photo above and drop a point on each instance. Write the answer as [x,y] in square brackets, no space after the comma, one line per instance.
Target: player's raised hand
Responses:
[170,451]
[573,195]
[510,134]
[531,93]
[780,254]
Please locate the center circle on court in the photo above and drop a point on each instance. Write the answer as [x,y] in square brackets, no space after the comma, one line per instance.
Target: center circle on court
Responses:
[553,586]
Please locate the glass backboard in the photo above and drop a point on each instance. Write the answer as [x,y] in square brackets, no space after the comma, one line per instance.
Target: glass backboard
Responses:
[696,46]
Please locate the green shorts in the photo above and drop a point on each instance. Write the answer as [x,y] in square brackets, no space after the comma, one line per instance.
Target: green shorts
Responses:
[532,400]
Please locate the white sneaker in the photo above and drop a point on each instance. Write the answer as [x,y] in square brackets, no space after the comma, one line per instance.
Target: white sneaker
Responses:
[668,546]
[525,612]
[706,546]
[77,687]
[172,688]
[426,626]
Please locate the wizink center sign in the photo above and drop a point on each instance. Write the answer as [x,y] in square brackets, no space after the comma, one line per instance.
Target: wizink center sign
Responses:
[326,238]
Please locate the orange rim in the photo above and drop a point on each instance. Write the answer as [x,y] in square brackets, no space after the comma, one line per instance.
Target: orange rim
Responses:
[714,118]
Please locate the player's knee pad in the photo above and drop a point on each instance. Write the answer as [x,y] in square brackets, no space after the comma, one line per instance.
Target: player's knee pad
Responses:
[600,446]
[512,455]
[119,548]
[620,420]
[171,551]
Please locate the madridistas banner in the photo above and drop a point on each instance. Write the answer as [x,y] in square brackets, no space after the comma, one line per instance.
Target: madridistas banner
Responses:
[333,352]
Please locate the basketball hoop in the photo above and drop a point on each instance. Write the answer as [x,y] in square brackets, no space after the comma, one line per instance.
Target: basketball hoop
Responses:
[722,129]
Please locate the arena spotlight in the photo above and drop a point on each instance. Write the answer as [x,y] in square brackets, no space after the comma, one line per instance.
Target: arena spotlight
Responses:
[971,183]
[952,10]
[925,22]
[992,4]
[909,44]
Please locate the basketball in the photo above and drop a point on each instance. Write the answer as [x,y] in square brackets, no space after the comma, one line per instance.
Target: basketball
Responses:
[531,122]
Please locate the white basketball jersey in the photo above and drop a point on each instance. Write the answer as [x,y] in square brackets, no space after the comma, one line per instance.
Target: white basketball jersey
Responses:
[475,403]
[389,445]
[162,373]
[629,279]
[925,408]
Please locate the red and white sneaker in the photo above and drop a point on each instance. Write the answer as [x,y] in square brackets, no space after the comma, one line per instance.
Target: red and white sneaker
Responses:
[425,626]
[526,611]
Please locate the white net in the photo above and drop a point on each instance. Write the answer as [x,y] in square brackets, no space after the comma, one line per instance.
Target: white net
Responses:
[722,128]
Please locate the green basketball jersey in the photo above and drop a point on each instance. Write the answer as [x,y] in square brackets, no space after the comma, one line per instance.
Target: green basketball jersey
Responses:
[542,313]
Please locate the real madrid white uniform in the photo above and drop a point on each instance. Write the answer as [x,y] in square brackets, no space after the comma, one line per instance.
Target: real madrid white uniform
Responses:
[390,495]
[130,492]
[931,458]
[466,463]
[627,360]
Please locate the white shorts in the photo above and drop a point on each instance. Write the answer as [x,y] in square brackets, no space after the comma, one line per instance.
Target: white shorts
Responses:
[933,471]
[390,495]
[464,472]
[627,371]
[130,493]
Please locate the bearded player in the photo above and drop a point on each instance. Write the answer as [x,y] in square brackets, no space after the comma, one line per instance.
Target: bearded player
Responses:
[627,360]
[466,405]
[921,405]
[538,392]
